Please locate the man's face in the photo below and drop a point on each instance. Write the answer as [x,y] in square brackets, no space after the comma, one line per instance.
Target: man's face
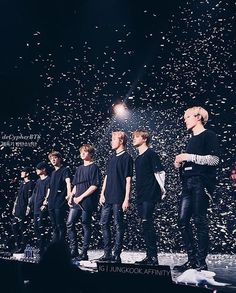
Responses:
[233,175]
[55,161]
[39,172]
[191,119]
[138,140]
[85,155]
[116,142]
[23,174]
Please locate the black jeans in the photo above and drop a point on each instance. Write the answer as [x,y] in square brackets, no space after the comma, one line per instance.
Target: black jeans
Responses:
[39,231]
[19,232]
[74,214]
[145,213]
[106,215]
[57,217]
[194,204]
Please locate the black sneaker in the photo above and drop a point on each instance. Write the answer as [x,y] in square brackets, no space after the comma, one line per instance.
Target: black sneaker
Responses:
[153,261]
[116,259]
[18,250]
[105,257]
[202,266]
[74,253]
[186,266]
[82,256]
[143,261]
[148,260]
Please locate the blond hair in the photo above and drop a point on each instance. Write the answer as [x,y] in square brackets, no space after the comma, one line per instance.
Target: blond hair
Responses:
[121,135]
[197,110]
[144,134]
[88,148]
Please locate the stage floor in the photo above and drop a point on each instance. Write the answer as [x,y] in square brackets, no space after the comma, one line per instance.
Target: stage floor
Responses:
[223,265]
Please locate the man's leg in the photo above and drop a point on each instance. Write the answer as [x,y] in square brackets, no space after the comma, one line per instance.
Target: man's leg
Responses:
[86,223]
[200,205]
[73,216]
[119,227]
[106,232]
[17,234]
[145,211]
[185,214]
[55,235]
[60,223]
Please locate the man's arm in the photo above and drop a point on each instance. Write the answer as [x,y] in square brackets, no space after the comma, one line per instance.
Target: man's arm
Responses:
[88,192]
[45,202]
[160,177]
[14,207]
[125,204]
[210,160]
[102,196]
[71,196]
[68,187]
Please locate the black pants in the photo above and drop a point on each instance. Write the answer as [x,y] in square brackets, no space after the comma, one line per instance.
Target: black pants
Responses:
[74,215]
[19,232]
[145,212]
[57,217]
[39,231]
[194,204]
[107,211]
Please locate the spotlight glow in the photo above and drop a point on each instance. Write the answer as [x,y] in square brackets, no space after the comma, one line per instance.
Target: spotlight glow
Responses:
[121,111]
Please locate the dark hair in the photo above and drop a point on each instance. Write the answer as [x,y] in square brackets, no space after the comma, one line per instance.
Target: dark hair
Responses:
[55,154]
[43,165]
[26,169]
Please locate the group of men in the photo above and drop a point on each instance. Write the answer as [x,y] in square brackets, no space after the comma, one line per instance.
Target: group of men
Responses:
[197,170]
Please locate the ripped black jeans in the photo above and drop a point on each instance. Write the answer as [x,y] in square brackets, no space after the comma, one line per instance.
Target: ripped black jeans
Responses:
[193,205]
[145,213]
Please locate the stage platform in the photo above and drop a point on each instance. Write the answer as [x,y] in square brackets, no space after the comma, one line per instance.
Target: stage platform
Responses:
[224,266]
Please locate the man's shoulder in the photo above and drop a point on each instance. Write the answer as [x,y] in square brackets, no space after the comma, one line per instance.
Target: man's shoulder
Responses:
[127,155]
[150,152]
[210,132]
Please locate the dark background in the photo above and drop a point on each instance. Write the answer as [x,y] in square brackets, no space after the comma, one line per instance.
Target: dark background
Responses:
[65,63]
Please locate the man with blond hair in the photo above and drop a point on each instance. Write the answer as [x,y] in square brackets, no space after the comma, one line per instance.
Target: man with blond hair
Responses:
[115,195]
[150,189]
[198,172]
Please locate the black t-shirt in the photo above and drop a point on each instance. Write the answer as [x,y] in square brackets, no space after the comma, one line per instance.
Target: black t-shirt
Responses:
[147,187]
[24,193]
[58,190]
[118,169]
[205,143]
[85,176]
[39,194]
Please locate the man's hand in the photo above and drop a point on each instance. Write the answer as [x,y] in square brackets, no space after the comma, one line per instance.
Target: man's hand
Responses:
[77,200]
[27,211]
[43,207]
[181,158]
[102,199]
[69,199]
[163,194]
[125,205]
[45,203]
